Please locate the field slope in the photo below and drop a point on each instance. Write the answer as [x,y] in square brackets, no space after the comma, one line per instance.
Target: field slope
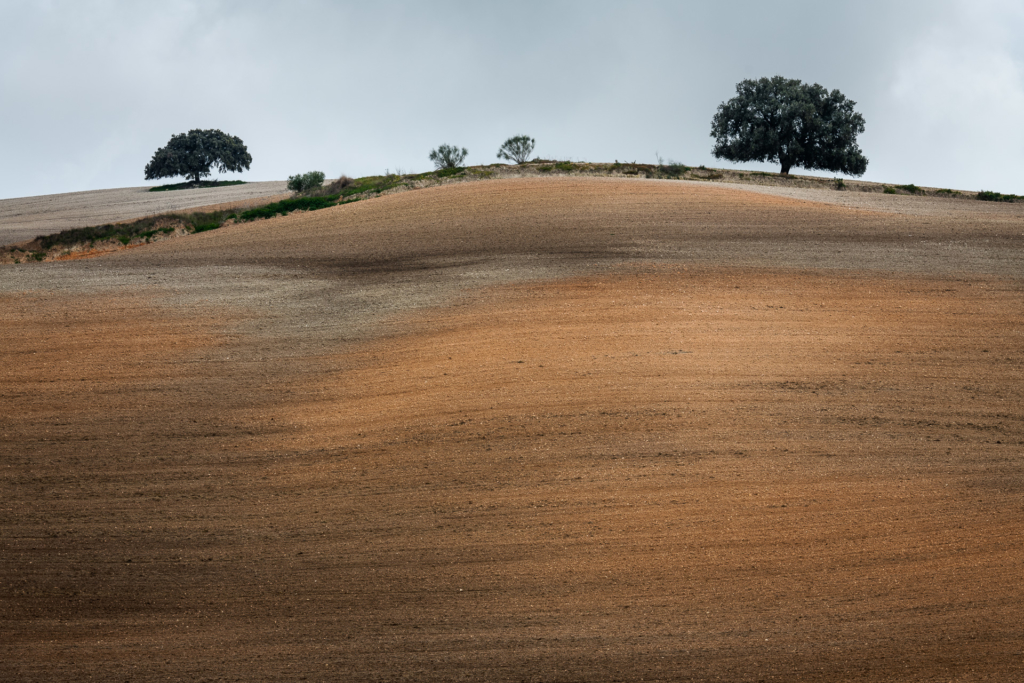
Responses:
[25,218]
[528,429]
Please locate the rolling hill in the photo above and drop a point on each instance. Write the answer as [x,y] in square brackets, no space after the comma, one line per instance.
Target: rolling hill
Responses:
[553,428]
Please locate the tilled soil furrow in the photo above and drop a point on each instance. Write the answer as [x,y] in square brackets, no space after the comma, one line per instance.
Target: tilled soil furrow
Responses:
[531,465]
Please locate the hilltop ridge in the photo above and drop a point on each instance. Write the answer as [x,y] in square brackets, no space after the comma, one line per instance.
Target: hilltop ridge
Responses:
[130,231]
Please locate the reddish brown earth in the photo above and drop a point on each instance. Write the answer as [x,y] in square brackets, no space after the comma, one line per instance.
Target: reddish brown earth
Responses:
[552,430]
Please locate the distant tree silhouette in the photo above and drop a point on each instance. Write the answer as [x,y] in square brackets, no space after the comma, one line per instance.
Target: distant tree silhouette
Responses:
[791,123]
[517,149]
[447,156]
[192,155]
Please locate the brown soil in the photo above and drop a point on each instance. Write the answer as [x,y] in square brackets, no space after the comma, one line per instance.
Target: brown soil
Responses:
[521,430]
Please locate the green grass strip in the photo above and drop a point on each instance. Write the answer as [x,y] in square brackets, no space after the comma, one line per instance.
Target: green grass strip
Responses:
[285,206]
[144,228]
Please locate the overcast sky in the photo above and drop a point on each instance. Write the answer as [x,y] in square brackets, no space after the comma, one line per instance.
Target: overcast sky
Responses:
[89,90]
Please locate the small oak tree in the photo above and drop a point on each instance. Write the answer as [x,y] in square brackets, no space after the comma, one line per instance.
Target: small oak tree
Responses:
[306,181]
[517,149]
[791,123]
[447,156]
[192,155]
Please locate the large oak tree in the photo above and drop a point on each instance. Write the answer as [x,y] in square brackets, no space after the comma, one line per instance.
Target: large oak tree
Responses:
[791,123]
[192,155]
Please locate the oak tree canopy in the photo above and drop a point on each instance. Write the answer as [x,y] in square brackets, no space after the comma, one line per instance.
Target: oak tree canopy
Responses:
[193,154]
[791,123]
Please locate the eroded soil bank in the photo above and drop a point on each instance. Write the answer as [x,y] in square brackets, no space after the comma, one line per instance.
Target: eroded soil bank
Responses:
[668,471]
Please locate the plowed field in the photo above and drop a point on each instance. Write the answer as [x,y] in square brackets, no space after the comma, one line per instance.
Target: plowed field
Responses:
[25,218]
[541,430]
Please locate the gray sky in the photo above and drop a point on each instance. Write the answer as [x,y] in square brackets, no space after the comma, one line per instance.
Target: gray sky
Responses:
[89,90]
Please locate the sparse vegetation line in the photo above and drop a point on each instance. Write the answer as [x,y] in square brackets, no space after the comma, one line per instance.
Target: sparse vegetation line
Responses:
[986,196]
[96,240]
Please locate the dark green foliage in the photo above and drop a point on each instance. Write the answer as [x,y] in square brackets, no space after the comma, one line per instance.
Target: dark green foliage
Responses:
[448,172]
[334,187]
[911,188]
[674,169]
[889,190]
[791,123]
[285,206]
[192,186]
[143,228]
[517,149]
[372,184]
[565,166]
[987,196]
[840,185]
[192,155]
[545,169]
[448,157]
[948,193]
[306,181]
[346,187]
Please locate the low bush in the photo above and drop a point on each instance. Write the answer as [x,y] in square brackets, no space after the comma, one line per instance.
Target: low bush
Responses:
[840,184]
[675,169]
[305,181]
[448,157]
[334,187]
[889,190]
[286,206]
[345,187]
[911,188]
[203,227]
[987,196]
